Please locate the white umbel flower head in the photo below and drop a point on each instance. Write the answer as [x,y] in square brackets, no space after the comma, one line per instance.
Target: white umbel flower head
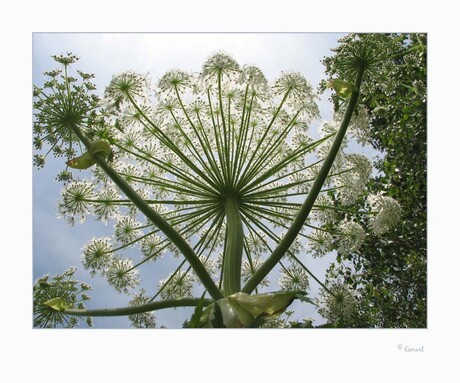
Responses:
[121,275]
[338,305]
[177,286]
[294,278]
[351,237]
[388,213]
[320,243]
[353,181]
[75,199]
[97,255]
[127,230]
[142,320]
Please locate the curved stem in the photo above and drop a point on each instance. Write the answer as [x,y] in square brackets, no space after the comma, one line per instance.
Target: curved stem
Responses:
[155,218]
[304,211]
[131,310]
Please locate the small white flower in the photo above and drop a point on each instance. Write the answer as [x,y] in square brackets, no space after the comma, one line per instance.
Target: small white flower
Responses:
[126,230]
[151,247]
[75,201]
[142,320]
[174,80]
[322,211]
[254,77]
[250,267]
[124,86]
[219,63]
[256,243]
[353,180]
[106,207]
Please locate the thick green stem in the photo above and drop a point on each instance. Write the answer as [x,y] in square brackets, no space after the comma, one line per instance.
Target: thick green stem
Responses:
[131,310]
[155,218]
[304,211]
[233,248]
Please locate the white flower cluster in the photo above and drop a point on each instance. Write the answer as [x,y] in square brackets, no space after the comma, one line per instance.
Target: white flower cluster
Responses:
[320,243]
[337,303]
[352,181]
[294,278]
[177,285]
[121,275]
[351,237]
[142,320]
[388,213]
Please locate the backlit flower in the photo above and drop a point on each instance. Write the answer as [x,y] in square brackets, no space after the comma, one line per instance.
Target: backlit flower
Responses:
[121,275]
[351,237]
[176,286]
[337,304]
[97,255]
[141,320]
[70,293]
[388,213]
[76,201]
[123,87]
[294,278]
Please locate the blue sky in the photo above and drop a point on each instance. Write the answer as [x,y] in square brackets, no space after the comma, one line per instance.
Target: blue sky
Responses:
[56,246]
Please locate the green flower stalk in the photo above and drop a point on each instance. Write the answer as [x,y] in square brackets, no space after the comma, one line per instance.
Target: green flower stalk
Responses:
[213,172]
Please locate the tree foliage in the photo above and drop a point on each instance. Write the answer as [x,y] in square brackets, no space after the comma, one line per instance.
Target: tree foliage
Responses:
[390,272]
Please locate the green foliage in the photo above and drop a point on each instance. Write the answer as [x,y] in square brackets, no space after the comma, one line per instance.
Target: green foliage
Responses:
[194,321]
[390,272]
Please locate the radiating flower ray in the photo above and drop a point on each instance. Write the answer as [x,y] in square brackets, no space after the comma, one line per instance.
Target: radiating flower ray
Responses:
[204,143]
[226,159]
[265,173]
[291,254]
[174,171]
[169,143]
[275,239]
[271,150]
[206,243]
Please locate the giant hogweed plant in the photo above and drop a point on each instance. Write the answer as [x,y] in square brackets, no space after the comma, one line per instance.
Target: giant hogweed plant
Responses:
[217,169]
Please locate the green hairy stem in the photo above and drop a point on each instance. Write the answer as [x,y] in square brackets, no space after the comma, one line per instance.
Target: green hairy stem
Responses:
[304,211]
[233,248]
[132,310]
[155,218]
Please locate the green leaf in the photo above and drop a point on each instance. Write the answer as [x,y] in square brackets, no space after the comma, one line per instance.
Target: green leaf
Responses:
[264,304]
[195,320]
[84,161]
[344,89]
[57,304]
[303,297]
